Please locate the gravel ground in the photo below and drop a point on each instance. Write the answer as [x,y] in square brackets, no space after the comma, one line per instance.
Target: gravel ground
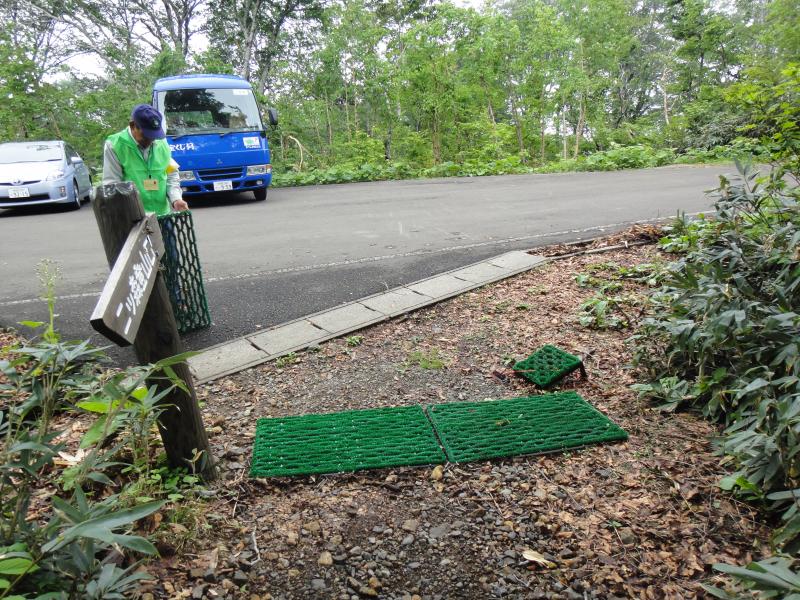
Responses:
[640,519]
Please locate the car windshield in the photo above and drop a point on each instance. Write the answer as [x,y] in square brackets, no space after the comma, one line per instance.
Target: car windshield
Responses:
[209,111]
[19,153]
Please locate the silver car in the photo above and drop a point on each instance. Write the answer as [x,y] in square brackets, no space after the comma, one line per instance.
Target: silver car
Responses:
[34,173]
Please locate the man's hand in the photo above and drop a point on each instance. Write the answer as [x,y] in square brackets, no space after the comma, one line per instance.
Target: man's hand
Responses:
[180,205]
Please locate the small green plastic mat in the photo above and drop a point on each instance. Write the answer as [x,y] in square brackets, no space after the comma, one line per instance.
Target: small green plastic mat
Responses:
[497,428]
[344,441]
[182,272]
[547,365]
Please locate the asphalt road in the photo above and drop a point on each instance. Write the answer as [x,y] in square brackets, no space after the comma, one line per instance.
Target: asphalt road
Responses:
[310,248]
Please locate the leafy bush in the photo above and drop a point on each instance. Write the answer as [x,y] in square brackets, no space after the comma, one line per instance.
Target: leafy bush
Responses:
[726,321]
[67,544]
[742,149]
[628,157]
[63,546]
[724,336]
[371,171]
[604,311]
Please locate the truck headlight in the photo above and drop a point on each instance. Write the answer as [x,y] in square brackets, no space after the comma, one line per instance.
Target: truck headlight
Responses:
[259,170]
[186,175]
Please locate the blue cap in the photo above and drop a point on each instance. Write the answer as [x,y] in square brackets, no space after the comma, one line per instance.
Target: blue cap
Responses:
[148,120]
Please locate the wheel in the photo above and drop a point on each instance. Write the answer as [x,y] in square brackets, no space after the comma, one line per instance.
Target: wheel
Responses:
[76,199]
[260,193]
[89,196]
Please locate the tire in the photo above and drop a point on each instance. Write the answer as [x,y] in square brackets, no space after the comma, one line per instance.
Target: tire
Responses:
[76,199]
[89,196]
[260,194]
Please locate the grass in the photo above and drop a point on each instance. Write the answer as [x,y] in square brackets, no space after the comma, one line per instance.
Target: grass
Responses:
[425,360]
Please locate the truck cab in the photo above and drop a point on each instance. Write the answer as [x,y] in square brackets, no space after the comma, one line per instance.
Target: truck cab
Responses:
[214,129]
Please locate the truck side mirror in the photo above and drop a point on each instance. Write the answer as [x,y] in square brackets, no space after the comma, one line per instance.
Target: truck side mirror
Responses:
[273,116]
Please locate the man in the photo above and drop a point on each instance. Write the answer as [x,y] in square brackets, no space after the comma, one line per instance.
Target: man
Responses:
[140,154]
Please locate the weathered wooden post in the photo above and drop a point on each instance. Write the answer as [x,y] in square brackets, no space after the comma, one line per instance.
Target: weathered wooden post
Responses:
[134,247]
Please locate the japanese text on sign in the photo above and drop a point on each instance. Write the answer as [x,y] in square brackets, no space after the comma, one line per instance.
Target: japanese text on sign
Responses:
[137,282]
[120,308]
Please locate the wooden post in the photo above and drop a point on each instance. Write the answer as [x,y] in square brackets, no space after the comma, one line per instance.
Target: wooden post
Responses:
[117,210]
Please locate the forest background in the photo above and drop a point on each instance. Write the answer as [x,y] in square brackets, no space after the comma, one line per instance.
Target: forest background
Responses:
[384,89]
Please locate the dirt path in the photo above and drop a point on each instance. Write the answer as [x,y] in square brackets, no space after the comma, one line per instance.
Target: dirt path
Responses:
[641,519]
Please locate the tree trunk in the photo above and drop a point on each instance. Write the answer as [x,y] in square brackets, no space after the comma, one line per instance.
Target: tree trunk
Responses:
[347,114]
[436,143]
[579,128]
[518,127]
[328,123]
[387,145]
[663,87]
[542,156]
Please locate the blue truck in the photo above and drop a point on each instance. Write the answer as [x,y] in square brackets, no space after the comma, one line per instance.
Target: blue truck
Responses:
[216,134]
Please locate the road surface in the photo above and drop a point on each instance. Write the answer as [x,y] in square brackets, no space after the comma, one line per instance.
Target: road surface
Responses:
[310,248]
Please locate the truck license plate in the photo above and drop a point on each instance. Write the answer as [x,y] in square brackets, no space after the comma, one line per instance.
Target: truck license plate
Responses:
[223,186]
[19,192]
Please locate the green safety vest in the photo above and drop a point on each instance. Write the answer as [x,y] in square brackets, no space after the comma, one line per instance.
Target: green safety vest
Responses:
[136,169]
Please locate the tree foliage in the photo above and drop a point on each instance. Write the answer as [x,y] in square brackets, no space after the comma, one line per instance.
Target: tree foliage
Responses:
[408,87]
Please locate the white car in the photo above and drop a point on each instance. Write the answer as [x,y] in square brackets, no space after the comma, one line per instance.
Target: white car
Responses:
[34,173]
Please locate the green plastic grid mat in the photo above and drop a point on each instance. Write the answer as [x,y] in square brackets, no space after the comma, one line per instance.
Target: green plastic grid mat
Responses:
[547,365]
[182,272]
[497,428]
[344,441]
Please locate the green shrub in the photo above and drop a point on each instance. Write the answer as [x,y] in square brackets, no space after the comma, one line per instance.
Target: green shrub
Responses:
[58,545]
[726,321]
[628,157]
[724,337]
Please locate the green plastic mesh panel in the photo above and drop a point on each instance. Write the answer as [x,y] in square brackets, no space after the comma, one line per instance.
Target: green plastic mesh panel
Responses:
[182,272]
[547,365]
[344,441]
[496,428]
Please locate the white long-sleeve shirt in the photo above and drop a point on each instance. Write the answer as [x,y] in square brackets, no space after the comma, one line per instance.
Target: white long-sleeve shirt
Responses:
[113,173]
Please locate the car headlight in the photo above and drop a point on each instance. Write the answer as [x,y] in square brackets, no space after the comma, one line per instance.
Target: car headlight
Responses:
[259,169]
[55,175]
[186,175]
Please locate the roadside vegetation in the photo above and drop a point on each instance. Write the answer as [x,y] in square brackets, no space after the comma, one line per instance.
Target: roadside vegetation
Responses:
[83,483]
[398,90]
[722,335]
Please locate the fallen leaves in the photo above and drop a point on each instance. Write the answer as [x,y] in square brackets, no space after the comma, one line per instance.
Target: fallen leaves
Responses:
[537,558]
[642,519]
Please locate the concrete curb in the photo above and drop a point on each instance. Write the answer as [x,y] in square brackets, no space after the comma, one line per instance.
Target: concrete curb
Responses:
[259,347]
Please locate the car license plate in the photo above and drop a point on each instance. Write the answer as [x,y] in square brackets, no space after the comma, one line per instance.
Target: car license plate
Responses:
[223,186]
[19,192]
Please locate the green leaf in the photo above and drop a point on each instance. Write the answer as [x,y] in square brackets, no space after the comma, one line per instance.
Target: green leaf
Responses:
[17,565]
[95,433]
[716,592]
[32,324]
[95,406]
[754,385]
[100,528]
[759,576]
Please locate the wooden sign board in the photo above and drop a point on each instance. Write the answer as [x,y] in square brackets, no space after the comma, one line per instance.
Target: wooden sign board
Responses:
[121,306]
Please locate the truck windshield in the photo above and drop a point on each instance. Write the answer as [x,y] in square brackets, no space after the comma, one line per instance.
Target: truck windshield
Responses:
[191,111]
